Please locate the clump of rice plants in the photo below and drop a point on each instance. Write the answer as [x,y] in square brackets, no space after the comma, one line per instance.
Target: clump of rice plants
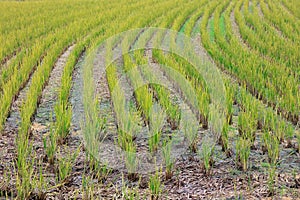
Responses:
[203,100]
[224,140]
[243,152]
[157,118]
[65,165]
[289,134]
[169,161]
[190,130]
[271,143]
[155,186]
[206,154]
[247,126]
[131,160]
[50,146]
[63,120]
[271,179]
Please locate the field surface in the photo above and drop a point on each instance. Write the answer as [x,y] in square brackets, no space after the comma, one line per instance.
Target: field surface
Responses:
[152,99]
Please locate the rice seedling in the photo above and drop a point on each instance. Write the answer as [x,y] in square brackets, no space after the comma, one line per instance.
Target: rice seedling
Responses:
[204,108]
[271,179]
[63,121]
[206,153]
[130,193]
[65,165]
[243,152]
[41,184]
[247,126]
[280,130]
[271,143]
[88,187]
[155,186]
[25,175]
[130,160]
[157,119]
[190,130]
[289,134]
[168,159]
[129,128]
[224,139]
[50,146]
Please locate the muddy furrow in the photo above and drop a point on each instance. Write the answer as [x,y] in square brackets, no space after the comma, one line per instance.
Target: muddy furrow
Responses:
[51,91]
[236,30]
[14,118]
[76,94]
[7,142]
[7,59]
[103,93]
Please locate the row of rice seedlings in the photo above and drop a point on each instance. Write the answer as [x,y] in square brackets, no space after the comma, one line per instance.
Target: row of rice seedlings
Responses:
[143,97]
[283,85]
[161,94]
[41,41]
[268,37]
[30,31]
[243,144]
[128,123]
[93,126]
[194,80]
[17,80]
[28,108]
[266,118]
[32,56]
[291,8]
[21,74]
[63,111]
[157,119]
[128,128]
[251,106]
[237,62]
[56,25]
[282,19]
[271,138]
[191,132]
[190,127]
[62,124]
[155,115]
[142,94]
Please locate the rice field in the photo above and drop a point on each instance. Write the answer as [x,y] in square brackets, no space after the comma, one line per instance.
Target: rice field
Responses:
[150,99]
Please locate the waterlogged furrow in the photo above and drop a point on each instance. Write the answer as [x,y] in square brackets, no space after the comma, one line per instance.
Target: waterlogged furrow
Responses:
[49,95]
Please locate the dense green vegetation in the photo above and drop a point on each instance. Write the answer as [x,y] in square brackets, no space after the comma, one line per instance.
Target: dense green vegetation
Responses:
[254,44]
